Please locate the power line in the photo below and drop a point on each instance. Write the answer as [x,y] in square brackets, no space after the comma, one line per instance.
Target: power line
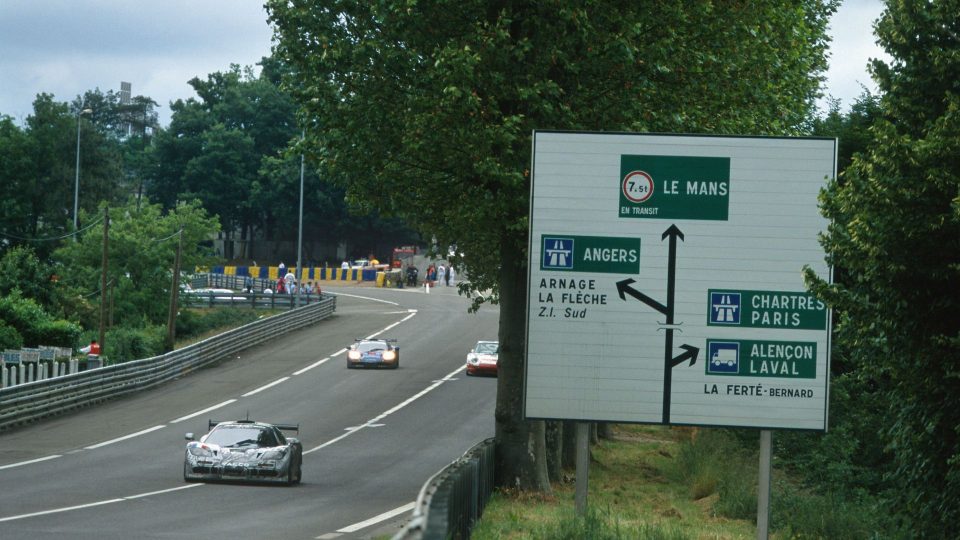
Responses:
[51,238]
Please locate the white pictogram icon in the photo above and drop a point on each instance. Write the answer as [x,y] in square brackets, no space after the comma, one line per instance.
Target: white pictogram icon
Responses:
[726,308]
[558,253]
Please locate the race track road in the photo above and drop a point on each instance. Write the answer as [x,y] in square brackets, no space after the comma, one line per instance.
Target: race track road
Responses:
[371,438]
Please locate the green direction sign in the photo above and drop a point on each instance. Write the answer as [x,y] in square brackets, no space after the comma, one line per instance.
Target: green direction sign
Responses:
[610,255]
[754,358]
[674,187]
[765,309]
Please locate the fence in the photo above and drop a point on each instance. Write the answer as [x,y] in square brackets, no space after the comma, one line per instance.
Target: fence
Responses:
[28,365]
[452,501]
[34,400]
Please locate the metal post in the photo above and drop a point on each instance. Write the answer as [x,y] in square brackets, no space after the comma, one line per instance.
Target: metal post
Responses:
[76,180]
[583,467]
[104,265]
[299,277]
[763,494]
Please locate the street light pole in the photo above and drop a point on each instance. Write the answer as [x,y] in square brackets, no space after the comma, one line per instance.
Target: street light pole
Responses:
[300,229]
[76,181]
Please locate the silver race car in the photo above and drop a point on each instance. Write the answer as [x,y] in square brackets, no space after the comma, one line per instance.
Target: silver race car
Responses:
[244,450]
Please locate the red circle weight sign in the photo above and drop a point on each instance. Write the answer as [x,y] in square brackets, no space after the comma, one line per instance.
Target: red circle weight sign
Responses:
[637,186]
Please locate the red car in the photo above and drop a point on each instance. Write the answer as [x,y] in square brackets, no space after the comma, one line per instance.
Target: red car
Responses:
[483,358]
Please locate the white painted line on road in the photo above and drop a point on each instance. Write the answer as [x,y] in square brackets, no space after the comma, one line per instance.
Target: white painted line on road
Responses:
[377,519]
[98,503]
[125,437]
[38,460]
[403,320]
[365,298]
[375,421]
[311,366]
[264,387]
[58,510]
[162,491]
[208,409]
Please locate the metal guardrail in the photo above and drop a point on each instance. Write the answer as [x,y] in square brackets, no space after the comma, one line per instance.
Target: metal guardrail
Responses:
[451,502]
[246,300]
[31,401]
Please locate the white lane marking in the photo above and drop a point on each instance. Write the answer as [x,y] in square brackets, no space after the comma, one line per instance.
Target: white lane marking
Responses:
[264,387]
[161,492]
[58,510]
[38,460]
[208,409]
[403,320]
[311,366]
[374,421]
[338,353]
[98,503]
[329,536]
[365,298]
[125,437]
[377,519]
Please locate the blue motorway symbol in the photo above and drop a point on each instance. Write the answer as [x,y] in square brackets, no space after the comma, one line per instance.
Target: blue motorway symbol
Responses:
[723,357]
[724,308]
[557,253]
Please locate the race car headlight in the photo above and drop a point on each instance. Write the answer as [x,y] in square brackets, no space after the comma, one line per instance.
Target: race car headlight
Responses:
[353,355]
[389,356]
[275,454]
[472,359]
[200,450]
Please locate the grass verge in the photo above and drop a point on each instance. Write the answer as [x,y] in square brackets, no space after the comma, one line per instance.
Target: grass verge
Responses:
[653,482]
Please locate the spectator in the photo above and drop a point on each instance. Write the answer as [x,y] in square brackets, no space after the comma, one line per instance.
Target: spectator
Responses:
[451,275]
[441,274]
[248,284]
[281,270]
[291,282]
[345,265]
[281,287]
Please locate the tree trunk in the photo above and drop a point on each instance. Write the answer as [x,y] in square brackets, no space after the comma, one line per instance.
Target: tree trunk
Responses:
[569,455]
[554,439]
[605,430]
[521,449]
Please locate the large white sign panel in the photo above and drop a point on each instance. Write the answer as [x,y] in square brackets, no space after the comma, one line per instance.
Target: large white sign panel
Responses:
[666,283]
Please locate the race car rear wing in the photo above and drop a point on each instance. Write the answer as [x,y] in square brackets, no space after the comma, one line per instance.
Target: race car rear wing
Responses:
[284,427]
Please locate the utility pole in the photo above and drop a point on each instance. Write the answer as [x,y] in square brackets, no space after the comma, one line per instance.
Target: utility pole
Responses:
[174,293]
[104,264]
[299,278]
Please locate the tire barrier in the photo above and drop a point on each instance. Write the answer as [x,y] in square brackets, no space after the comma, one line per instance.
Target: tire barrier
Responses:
[451,502]
[32,401]
[271,273]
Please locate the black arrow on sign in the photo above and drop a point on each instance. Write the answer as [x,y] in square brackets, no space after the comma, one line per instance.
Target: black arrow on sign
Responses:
[624,288]
[690,352]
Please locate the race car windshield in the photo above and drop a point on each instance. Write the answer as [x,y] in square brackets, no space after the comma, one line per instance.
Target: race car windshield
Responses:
[487,348]
[371,346]
[241,436]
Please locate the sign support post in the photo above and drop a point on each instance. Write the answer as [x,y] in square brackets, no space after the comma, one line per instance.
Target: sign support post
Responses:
[583,467]
[763,493]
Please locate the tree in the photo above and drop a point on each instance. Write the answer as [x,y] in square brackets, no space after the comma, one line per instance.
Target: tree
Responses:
[895,230]
[425,110]
[142,249]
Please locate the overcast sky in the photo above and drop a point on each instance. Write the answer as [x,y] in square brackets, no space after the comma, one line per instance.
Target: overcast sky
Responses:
[66,47]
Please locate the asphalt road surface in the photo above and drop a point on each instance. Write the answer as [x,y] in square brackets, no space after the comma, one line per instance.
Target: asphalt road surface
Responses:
[371,438]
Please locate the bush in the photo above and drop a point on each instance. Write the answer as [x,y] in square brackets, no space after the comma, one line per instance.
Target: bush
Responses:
[833,515]
[126,344]
[715,462]
[191,323]
[9,337]
[59,334]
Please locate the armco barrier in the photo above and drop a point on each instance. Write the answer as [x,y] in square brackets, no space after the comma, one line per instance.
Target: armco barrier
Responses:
[452,501]
[28,402]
